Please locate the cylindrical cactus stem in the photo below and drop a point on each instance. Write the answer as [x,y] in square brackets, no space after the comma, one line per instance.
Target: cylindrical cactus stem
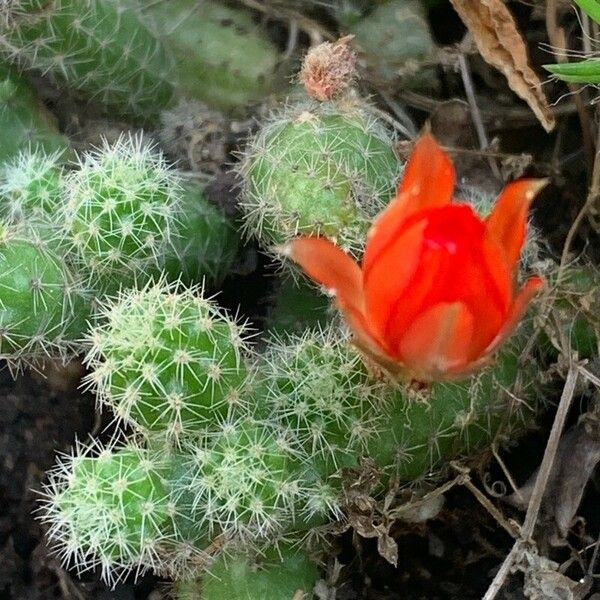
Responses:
[396,43]
[43,310]
[99,48]
[24,121]
[109,508]
[119,213]
[318,387]
[280,572]
[222,57]
[168,361]
[318,169]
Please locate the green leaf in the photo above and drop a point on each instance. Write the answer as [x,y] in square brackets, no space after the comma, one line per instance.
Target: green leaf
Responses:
[590,7]
[585,71]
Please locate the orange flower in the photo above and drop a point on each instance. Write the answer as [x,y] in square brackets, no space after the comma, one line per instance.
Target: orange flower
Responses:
[436,291]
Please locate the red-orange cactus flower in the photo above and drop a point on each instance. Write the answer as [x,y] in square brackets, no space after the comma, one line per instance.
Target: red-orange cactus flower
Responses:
[436,291]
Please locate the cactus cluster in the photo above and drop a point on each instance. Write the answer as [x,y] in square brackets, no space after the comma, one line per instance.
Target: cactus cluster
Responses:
[228,464]
[70,237]
[250,448]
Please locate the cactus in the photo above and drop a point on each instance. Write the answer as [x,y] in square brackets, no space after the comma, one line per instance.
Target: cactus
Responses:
[318,387]
[236,456]
[280,572]
[397,42]
[205,243]
[99,48]
[295,306]
[31,185]
[42,304]
[24,121]
[222,57]
[317,168]
[119,213]
[108,507]
[168,361]
[244,480]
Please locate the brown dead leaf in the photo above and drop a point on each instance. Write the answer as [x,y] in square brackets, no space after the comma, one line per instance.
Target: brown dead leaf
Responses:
[501,45]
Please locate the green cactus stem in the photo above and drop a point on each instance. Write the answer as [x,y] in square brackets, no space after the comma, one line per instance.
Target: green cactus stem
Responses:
[397,44]
[279,573]
[318,168]
[30,185]
[24,121]
[108,508]
[42,304]
[99,48]
[222,57]
[168,361]
[205,242]
[119,213]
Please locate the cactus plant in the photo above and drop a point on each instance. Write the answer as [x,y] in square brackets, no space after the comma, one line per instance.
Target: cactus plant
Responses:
[167,360]
[119,212]
[244,464]
[281,572]
[108,507]
[222,57]
[397,43]
[24,121]
[98,48]
[43,309]
[317,168]
[30,185]
[204,244]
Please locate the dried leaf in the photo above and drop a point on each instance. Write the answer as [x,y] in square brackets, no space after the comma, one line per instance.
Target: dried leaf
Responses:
[577,456]
[501,45]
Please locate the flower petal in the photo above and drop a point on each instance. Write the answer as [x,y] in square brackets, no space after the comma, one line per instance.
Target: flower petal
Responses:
[390,275]
[428,182]
[438,341]
[508,222]
[517,310]
[330,266]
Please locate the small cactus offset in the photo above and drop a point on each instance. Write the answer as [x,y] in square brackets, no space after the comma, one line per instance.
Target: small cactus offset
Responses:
[43,309]
[110,508]
[99,48]
[24,121]
[119,212]
[168,361]
[30,185]
[318,168]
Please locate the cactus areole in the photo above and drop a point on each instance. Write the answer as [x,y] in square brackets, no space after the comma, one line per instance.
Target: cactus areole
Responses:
[436,291]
